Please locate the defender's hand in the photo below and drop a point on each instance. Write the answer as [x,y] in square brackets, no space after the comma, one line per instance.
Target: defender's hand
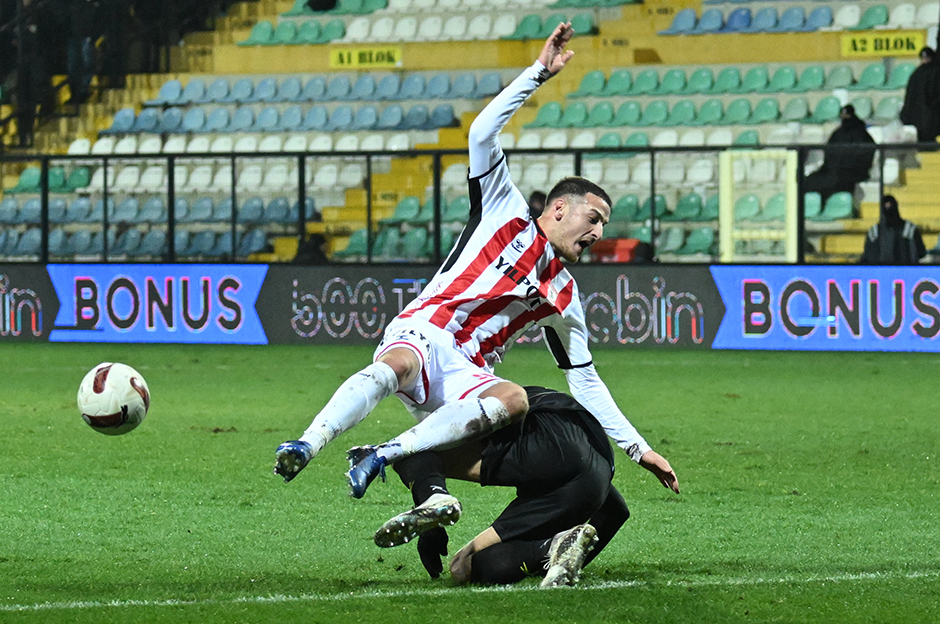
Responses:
[657,464]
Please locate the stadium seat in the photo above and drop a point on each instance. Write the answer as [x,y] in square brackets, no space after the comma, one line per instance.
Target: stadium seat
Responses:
[673,82]
[388,87]
[728,80]
[309,33]
[168,95]
[838,206]
[504,25]
[711,21]
[288,91]
[194,92]
[548,116]
[153,244]
[766,111]
[699,241]
[314,90]
[900,74]
[747,138]
[683,113]
[746,207]
[755,81]
[645,83]
[285,33]
[737,112]
[333,30]
[846,17]
[873,17]
[783,79]
[261,34]
[928,15]
[765,20]
[413,87]
[888,109]
[688,208]
[619,83]
[701,81]
[315,119]
[592,85]
[682,24]
[796,109]
[739,20]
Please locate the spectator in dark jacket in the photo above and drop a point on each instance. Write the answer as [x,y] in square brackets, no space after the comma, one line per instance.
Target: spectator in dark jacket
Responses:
[893,240]
[843,168]
[922,98]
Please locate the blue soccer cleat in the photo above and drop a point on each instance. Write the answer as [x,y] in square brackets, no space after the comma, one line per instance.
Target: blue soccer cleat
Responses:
[364,466]
[292,457]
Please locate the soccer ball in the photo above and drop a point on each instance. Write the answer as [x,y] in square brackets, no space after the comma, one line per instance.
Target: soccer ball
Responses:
[113,398]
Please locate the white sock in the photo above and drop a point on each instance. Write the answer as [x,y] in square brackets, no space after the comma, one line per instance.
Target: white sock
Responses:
[351,403]
[447,427]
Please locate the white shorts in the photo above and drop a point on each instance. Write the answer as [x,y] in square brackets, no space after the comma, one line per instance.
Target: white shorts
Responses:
[446,374]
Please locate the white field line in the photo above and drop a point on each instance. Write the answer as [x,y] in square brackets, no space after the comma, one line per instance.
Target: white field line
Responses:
[446,591]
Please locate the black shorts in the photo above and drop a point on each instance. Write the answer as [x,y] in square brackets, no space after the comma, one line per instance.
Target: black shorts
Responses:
[561,471]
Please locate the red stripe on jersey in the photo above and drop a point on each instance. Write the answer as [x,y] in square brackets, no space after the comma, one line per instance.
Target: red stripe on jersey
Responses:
[520,322]
[500,240]
[495,301]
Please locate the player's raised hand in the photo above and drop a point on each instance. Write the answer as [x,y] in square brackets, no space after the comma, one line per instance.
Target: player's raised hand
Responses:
[657,464]
[554,56]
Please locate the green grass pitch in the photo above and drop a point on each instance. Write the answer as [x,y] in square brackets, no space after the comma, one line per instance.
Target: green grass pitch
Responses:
[809,494]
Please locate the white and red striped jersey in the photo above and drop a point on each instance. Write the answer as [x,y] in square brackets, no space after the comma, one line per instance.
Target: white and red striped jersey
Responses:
[503,275]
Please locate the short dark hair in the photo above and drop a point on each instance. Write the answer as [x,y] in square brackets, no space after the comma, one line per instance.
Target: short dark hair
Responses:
[578,186]
[848,109]
[927,53]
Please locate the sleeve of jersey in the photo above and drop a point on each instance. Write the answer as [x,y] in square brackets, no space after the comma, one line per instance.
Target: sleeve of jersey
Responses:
[483,138]
[590,391]
[567,338]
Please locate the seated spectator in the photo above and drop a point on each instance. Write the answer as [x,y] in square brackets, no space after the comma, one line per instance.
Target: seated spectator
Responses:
[893,240]
[842,169]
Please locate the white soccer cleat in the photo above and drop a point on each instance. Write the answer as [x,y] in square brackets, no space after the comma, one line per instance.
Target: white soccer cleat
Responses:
[566,555]
[438,511]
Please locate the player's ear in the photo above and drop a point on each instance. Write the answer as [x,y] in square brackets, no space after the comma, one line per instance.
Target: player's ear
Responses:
[559,208]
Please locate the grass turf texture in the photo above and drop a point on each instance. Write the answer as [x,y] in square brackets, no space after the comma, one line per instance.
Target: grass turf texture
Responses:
[809,494]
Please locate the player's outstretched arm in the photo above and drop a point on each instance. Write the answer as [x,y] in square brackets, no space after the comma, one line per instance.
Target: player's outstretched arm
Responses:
[554,56]
[657,464]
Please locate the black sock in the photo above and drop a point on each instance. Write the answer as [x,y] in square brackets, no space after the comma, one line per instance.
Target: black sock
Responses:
[423,474]
[509,562]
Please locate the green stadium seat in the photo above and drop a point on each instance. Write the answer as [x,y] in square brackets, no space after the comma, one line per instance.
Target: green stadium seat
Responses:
[628,114]
[642,233]
[873,17]
[728,80]
[261,34]
[682,114]
[746,207]
[619,83]
[737,112]
[529,27]
[827,109]
[284,34]
[796,109]
[347,7]
[766,111]
[547,116]
[709,209]
[371,6]
[308,33]
[888,109]
[57,180]
[655,113]
[783,79]
[646,208]
[899,76]
[863,107]
[387,244]
[688,208]
[710,113]
[334,30]
[670,241]
[838,206]
[582,24]
[872,77]
[301,7]
[358,245]
[813,78]
[406,210]
[701,81]
[574,116]
[28,181]
[699,241]
[840,77]
[79,178]
[755,81]
[414,244]
[812,205]
[602,114]
[592,84]
[637,139]
[607,140]
[775,209]
[457,210]
[747,138]
[626,209]
[673,82]
[645,83]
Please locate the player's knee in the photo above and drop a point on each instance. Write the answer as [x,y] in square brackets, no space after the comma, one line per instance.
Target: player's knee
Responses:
[516,402]
[404,363]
